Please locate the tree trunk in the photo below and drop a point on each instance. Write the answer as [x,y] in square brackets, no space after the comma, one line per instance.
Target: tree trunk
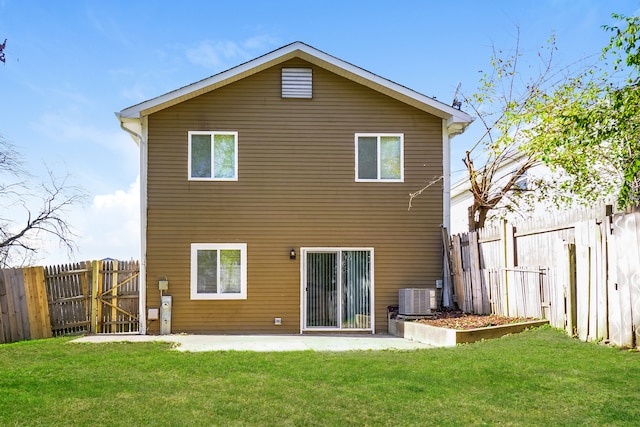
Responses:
[477,216]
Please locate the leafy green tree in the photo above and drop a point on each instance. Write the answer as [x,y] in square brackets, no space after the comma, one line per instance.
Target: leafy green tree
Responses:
[582,121]
[511,97]
[592,131]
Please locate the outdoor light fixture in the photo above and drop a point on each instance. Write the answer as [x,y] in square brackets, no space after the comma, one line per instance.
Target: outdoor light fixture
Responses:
[292,254]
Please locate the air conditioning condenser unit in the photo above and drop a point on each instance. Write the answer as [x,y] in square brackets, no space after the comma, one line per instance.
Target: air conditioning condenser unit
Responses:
[416,301]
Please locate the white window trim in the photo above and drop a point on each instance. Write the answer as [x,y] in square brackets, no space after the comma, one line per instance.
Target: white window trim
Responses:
[235,152]
[194,271]
[378,136]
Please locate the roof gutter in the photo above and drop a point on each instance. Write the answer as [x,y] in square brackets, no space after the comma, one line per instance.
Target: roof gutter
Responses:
[138,136]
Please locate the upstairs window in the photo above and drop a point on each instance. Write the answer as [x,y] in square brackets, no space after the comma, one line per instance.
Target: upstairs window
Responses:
[379,157]
[213,156]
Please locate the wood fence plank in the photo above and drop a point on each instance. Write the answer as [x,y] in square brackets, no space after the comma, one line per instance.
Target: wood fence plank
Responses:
[95,284]
[502,297]
[17,305]
[602,321]
[486,292]
[23,315]
[114,294]
[11,309]
[508,242]
[635,282]
[512,292]
[625,264]
[458,270]
[5,333]
[570,297]
[563,291]
[86,292]
[476,274]
[534,297]
[613,294]
[546,282]
[32,313]
[556,317]
[38,307]
[583,279]
[494,293]
[467,301]
[595,245]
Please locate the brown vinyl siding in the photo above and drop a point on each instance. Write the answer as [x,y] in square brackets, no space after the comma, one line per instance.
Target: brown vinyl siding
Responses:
[296,188]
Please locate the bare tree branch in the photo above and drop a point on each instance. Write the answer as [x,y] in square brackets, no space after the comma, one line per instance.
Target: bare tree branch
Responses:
[45,217]
[419,192]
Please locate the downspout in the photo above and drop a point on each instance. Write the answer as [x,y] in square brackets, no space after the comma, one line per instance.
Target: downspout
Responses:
[446,180]
[447,294]
[142,292]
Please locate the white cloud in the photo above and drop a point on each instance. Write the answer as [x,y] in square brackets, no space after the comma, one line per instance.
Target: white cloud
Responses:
[212,55]
[66,135]
[108,228]
[220,54]
[260,42]
[68,126]
[134,93]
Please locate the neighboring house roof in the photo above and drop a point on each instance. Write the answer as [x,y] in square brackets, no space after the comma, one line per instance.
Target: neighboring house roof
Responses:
[461,189]
[457,120]
[462,197]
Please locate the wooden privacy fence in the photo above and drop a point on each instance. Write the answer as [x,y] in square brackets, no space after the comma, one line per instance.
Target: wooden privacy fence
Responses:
[24,311]
[580,270]
[85,297]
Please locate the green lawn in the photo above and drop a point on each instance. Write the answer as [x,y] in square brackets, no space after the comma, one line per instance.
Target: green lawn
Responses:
[539,377]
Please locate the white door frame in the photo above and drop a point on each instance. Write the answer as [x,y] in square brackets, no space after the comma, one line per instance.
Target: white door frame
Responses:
[303,287]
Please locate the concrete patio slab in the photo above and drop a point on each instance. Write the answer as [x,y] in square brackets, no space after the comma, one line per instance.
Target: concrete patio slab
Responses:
[266,343]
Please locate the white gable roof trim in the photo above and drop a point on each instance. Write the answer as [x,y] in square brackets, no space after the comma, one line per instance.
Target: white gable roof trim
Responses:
[457,120]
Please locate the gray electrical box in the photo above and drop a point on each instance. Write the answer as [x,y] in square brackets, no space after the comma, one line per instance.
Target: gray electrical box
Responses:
[165,314]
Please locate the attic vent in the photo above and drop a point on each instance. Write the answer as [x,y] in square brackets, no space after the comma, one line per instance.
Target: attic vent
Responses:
[296,83]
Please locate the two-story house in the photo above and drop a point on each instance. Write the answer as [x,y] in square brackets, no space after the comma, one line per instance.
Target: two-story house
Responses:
[274,196]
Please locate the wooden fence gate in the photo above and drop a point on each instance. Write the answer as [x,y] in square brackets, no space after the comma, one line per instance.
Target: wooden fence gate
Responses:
[95,296]
[114,302]
[86,297]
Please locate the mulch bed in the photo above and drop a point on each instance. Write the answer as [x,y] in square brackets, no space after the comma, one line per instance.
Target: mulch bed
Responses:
[460,320]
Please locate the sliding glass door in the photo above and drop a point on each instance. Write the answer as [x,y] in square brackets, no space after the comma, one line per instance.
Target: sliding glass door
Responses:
[337,288]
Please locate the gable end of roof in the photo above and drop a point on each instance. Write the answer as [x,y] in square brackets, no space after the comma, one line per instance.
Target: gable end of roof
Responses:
[457,120]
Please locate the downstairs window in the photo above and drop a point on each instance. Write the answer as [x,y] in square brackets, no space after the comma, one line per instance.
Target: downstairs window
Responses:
[218,271]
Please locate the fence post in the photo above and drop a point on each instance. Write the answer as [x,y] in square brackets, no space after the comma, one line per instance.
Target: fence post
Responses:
[114,294]
[95,273]
[570,289]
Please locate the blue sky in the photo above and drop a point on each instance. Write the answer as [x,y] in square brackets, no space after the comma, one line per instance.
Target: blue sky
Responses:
[70,64]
